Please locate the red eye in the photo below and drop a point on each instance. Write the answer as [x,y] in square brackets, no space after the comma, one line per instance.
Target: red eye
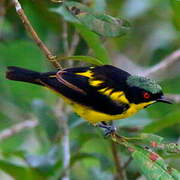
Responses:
[146,95]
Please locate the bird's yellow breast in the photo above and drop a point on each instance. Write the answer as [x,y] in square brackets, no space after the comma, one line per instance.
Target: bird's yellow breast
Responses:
[94,116]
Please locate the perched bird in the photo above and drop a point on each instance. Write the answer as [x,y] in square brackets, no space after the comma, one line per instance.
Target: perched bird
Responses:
[97,94]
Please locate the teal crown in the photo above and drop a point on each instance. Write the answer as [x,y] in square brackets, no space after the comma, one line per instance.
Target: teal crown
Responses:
[144,83]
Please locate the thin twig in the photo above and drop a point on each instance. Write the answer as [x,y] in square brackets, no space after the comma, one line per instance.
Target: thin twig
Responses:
[174,97]
[63,119]
[2,14]
[74,43]
[64,172]
[38,41]
[61,114]
[65,38]
[164,64]
[18,128]
[168,66]
[126,164]
[2,8]
[66,149]
[117,161]
[72,47]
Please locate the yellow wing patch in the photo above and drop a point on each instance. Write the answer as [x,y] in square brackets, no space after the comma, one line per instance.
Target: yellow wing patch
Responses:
[88,74]
[116,96]
[95,83]
[106,91]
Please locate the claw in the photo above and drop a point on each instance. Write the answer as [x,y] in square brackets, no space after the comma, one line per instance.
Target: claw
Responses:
[108,129]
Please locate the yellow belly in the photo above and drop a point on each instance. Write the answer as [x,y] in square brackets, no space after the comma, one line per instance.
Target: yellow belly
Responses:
[95,117]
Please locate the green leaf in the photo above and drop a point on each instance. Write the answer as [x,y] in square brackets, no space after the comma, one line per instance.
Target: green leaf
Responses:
[105,25]
[87,59]
[176,13]
[79,156]
[99,6]
[152,165]
[24,54]
[17,153]
[148,138]
[94,43]
[169,120]
[14,170]
[101,24]
[91,38]
[105,163]
[14,142]
[155,142]
[19,172]
[89,133]
[62,10]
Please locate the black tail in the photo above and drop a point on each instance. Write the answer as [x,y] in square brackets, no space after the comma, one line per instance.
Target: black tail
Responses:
[21,74]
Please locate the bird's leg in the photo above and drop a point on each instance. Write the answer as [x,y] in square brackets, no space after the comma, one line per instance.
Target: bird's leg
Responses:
[108,128]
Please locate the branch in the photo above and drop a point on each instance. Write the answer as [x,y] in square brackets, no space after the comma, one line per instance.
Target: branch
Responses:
[53,60]
[61,114]
[17,128]
[174,97]
[69,49]
[117,161]
[66,148]
[126,164]
[2,14]
[164,64]
[57,1]
[35,37]
[74,43]
[167,68]
[65,37]
[2,8]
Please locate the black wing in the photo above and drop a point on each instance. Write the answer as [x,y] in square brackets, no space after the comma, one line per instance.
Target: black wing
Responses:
[75,84]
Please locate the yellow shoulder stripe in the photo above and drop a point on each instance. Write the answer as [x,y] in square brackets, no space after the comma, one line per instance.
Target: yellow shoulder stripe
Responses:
[86,74]
[106,91]
[116,96]
[95,82]
[92,81]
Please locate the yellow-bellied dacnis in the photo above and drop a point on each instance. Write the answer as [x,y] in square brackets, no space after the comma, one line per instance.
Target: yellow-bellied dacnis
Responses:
[102,93]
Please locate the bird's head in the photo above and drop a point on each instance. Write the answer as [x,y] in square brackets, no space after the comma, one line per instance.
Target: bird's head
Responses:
[142,90]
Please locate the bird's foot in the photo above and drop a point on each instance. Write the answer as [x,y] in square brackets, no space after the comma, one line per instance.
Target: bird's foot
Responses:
[108,129]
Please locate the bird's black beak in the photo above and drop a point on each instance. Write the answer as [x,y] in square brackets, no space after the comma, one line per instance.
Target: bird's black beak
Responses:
[164,99]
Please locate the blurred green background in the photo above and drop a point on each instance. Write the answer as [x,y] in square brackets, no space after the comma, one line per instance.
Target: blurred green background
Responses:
[39,150]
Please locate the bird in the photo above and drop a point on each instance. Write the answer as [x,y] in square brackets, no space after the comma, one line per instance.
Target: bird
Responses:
[98,94]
